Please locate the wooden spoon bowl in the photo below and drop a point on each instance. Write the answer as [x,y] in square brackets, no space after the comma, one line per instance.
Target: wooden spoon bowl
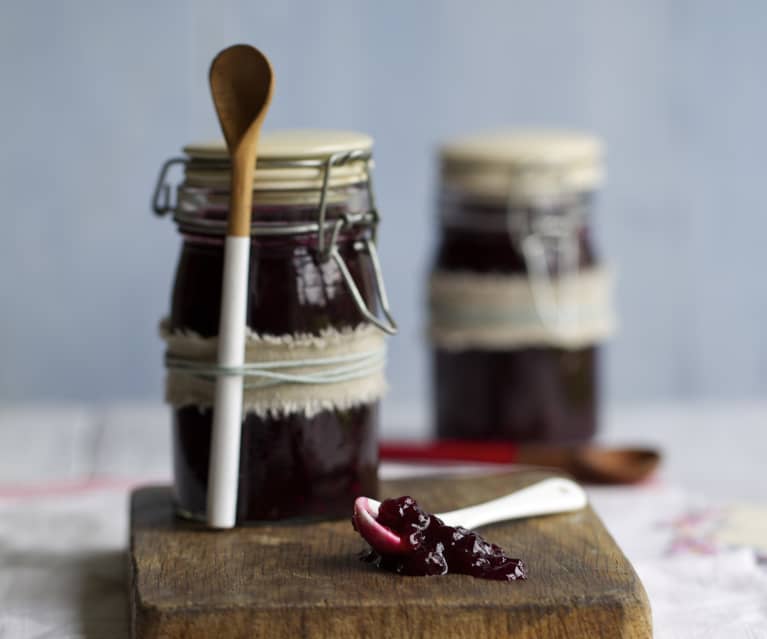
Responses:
[615,465]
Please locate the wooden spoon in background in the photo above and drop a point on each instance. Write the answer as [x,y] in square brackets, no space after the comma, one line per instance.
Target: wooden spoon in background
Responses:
[242,83]
[586,462]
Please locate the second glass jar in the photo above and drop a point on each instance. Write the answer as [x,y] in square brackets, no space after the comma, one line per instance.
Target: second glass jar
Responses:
[518,300]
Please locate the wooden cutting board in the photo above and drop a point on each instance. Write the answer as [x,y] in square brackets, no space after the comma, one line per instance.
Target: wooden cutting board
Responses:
[294,580]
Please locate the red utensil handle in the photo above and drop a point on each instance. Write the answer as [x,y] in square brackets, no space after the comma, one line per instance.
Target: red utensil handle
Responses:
[449,450]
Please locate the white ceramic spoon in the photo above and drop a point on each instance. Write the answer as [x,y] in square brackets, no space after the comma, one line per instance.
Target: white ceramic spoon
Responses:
[547,497]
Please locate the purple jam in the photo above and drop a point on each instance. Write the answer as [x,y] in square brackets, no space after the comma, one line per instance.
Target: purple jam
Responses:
[291,466]
[536,393]
[437,549]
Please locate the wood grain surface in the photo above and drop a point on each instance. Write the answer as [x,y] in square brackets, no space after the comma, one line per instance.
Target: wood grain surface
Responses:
[305,580]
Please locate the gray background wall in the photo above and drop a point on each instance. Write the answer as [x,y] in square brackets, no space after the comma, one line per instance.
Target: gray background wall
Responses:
[94,97]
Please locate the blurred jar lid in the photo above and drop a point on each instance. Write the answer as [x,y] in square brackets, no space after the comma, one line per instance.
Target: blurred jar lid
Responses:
[288,160]
[522,164]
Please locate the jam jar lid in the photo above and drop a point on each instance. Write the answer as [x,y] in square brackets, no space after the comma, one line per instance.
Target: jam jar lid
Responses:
[523,164]
[288,160]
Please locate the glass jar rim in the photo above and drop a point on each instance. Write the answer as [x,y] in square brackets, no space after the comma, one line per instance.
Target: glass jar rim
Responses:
[300,167]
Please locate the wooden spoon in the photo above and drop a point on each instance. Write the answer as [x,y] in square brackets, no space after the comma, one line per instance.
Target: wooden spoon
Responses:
[241,82]
[586,462]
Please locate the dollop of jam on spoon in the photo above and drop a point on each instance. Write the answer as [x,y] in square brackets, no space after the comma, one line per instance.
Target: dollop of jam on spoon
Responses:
[407,540]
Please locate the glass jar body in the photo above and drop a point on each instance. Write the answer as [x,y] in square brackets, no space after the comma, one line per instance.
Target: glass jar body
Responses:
[292,464]
[521,392]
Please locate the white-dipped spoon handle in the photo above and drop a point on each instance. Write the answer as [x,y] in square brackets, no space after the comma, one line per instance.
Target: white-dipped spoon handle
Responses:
[547,497]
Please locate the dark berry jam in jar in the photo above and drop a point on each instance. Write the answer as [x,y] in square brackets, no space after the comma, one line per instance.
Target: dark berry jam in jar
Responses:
[317,320]
[518,300]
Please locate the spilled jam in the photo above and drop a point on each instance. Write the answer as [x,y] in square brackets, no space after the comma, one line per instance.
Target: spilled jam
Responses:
[437,549]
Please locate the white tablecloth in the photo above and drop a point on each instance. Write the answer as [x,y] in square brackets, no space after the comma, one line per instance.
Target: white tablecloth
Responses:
[694,533]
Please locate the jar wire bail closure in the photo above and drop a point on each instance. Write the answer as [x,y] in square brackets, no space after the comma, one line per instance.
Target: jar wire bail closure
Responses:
[554,295]
[162,204]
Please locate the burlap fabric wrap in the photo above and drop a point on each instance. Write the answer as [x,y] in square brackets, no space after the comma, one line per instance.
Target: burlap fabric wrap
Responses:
[339,370]
[498,311]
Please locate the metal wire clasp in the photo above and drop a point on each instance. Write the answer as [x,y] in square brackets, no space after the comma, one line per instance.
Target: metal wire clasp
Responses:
[161,199]
[329,249]
[553,295]
[389,326]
